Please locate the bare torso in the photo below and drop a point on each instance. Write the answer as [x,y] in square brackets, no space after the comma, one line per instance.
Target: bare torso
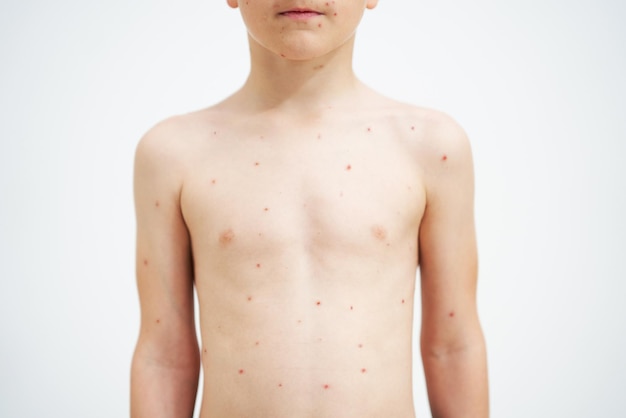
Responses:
[304,237]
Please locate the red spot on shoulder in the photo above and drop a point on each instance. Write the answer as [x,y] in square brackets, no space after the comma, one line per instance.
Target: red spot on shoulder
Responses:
[227,237]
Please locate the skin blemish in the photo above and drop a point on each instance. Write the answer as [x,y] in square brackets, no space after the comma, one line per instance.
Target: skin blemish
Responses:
[403,301]
[266,209]
[280,385]
[158,321]
[257,343]
[363,370]
[360,345]
[351,307]
[318,67]
[249,298]
[451,314]
[283,55]
[157,204]
[256,163]
[318,303]
[444,158]
[334,14]
[319,136]
[369,129]
[145,261]
[412,128]
[213,181]
[349,167]
[299,321]
[258,265]
[326,386]
[241,371]
[319,25]
[214,132]
[379,232]
[227,237]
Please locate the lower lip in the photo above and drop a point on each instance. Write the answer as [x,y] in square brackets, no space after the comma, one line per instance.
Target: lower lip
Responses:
[300,15]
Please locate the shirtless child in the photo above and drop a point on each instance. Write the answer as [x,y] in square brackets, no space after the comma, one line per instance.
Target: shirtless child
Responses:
[300,208]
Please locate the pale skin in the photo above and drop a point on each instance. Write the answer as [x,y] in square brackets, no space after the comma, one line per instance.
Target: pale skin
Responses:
[299,209]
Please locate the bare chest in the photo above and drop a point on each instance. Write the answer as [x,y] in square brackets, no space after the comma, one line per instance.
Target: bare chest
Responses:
[257,194]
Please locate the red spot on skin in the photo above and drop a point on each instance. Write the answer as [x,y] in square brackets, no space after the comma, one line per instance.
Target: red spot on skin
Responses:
[351,308]
[319,25]
[412,128]
[379,232]
[326,386]
[227,237]
[348,167]
[402,300]
[145,261]
[334,14]
[318,303]
[158,321]
[256,163]
[157,204]
[319,136]
[214,132]
[283,55]
[360,345]
[341,194]
[369,129]
[256,343]
[266,209]
[213,181]
[280,385]
[249,298]
[241,371]
[363,370]
[444,158]
[205,350]
[318,67]
[451,314]
[258,265]
[327,4]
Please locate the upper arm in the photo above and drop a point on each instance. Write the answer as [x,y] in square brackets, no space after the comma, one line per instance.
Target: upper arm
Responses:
[448,266]
[163,260]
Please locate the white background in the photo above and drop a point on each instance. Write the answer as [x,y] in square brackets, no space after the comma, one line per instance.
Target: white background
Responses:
[538,85]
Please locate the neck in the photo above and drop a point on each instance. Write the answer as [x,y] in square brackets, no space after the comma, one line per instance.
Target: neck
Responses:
[278,83]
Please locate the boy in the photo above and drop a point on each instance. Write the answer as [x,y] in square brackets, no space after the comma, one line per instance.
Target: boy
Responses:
[300,208]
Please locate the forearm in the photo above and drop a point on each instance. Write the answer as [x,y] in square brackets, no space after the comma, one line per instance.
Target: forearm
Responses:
[457,380]
[161,389]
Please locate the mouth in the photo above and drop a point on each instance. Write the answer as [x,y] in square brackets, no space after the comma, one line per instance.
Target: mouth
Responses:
[300,14]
